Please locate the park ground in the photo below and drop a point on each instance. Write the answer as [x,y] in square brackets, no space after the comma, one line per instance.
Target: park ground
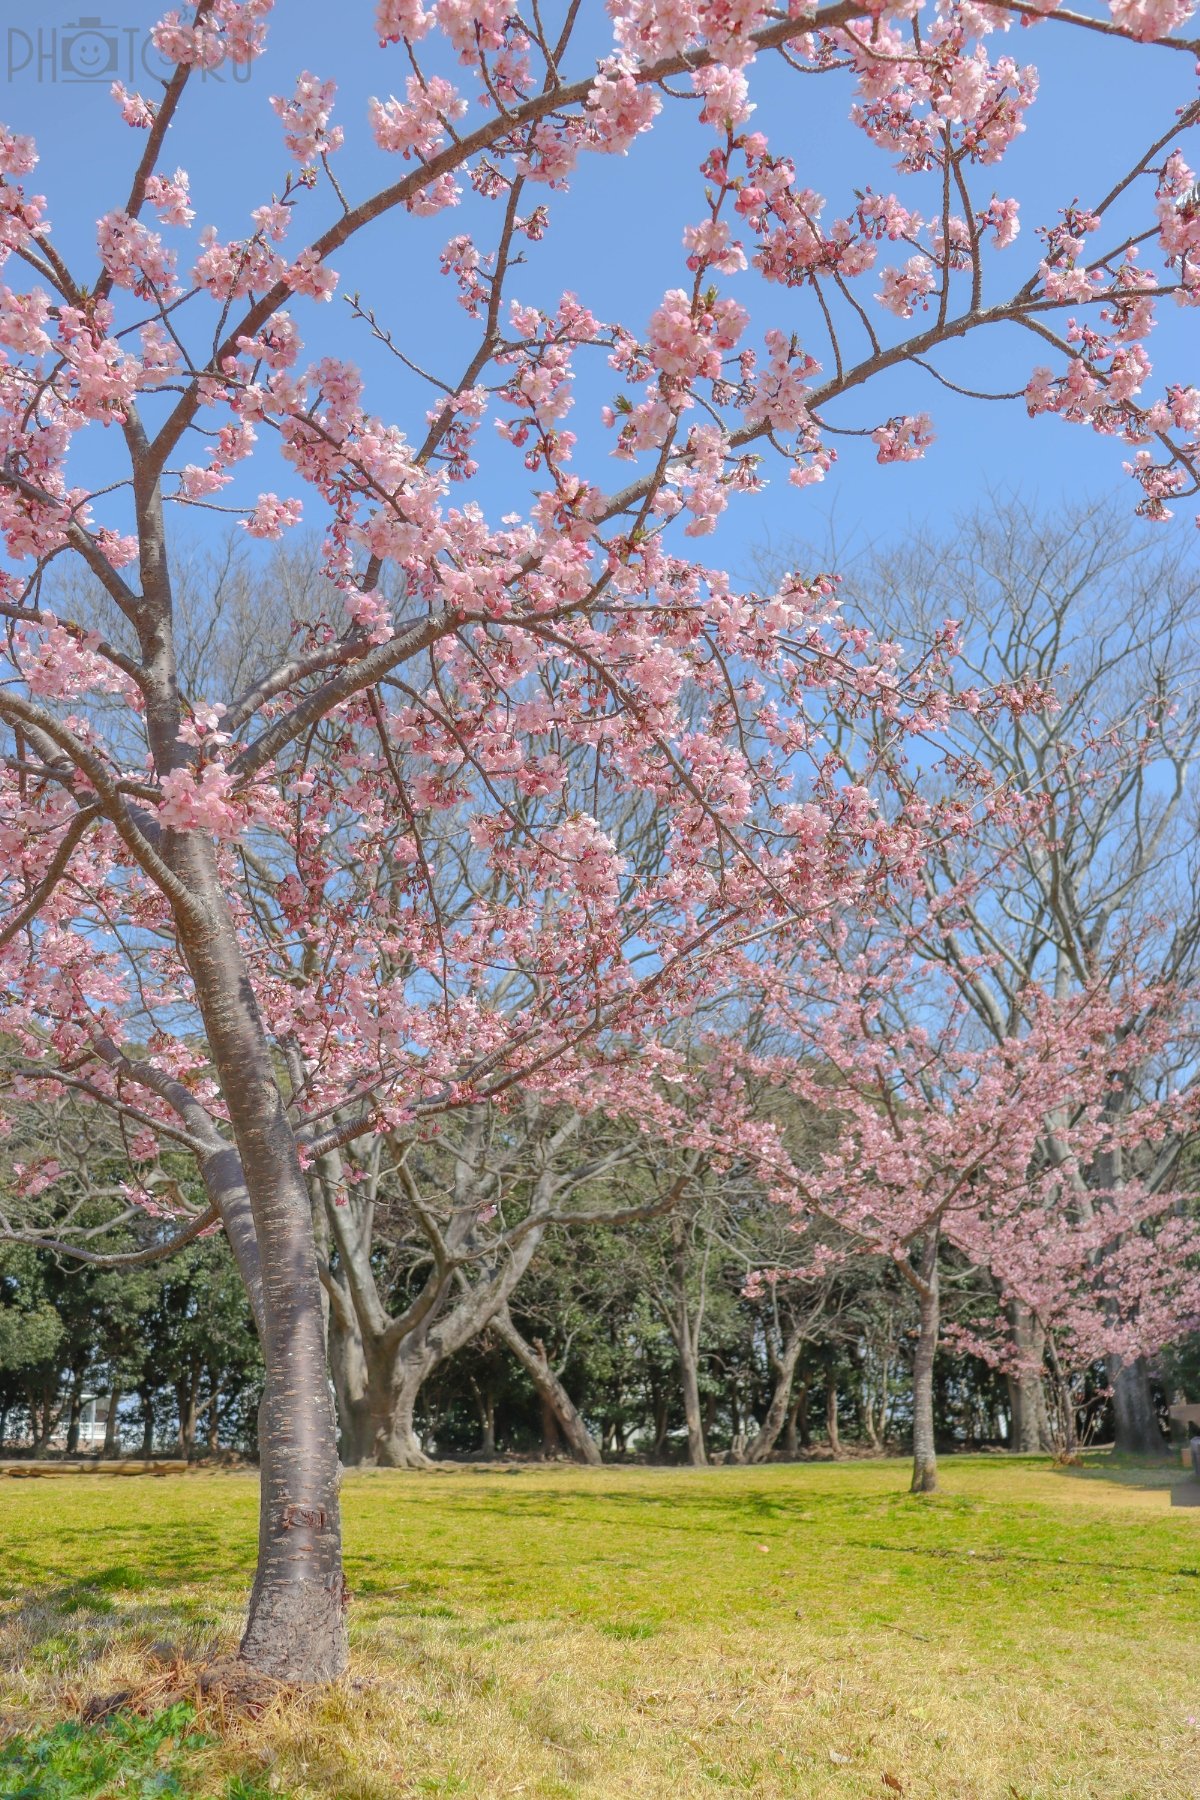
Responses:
[1030,1633]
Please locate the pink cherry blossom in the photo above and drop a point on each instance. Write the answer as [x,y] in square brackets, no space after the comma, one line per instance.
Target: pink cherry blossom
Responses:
[135,109]
[136,257]
[416,127]
[305,116]
[726,96]
[168,195]
[903,440]
[200,802]
[904,289]
[272,516]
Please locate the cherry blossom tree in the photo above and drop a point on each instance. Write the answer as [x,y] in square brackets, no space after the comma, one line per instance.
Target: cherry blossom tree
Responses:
[1009,1152]
[181,944]
[1104,884]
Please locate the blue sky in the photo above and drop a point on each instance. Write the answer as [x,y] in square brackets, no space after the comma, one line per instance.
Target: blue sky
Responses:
[615,240]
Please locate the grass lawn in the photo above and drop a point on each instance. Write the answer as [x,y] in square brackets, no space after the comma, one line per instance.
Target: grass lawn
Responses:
[802,1630]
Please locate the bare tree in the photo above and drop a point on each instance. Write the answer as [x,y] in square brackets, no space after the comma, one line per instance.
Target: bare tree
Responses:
[427,1245]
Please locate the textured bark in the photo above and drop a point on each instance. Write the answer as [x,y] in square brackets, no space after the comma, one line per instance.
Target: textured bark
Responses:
[797,1434]
[41,1427]
[112,1443]
[185,1398]
[924,1474]
[1137,1430]
[1061,1405]
[552,1439]
[485,1401]
[686,1323]
[75,1415]
[394,1399]
[348,1370]
[296,1626]
[779,1410]
[831,1410]
[710,1414]
[693,1412]
[791,1436]
[1030,1433]
[147,1400]
[550,1390]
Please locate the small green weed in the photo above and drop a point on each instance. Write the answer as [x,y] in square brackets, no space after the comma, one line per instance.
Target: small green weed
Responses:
[629,1631]
[144,1759]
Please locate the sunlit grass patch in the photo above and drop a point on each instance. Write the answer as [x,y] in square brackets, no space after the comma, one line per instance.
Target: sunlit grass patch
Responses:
[792,1631]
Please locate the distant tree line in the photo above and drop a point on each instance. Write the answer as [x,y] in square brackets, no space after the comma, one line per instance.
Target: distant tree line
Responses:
[599,1353]
[170,1349]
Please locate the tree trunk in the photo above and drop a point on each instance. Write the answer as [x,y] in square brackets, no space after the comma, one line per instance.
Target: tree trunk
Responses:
[393,1407]
[112,1442]
[710,1415]
[396,1368]
[485,1402]
[791,1440]
[796,1435]
[147,1400]
[1029,1422]
[75,1416]
[348,1370]
[50,1413]
[185,1400]
[1137,1432]
[779,1410]
[693,1410]
[1030,1433]
[296,1628]
[214,1412]
[831,1410]
[551,1392]
[552,1441]
[924,1475]
[38,1428]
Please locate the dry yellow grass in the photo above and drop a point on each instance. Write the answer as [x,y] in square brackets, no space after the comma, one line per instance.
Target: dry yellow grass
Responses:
[795,1631]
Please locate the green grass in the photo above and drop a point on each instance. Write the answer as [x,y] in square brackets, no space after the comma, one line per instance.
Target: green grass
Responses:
[1028,1634]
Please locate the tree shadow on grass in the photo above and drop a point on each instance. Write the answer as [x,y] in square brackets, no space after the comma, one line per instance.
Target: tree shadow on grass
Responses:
[69,1627]
[1157,1474]
[194,1557]
[686,1512]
